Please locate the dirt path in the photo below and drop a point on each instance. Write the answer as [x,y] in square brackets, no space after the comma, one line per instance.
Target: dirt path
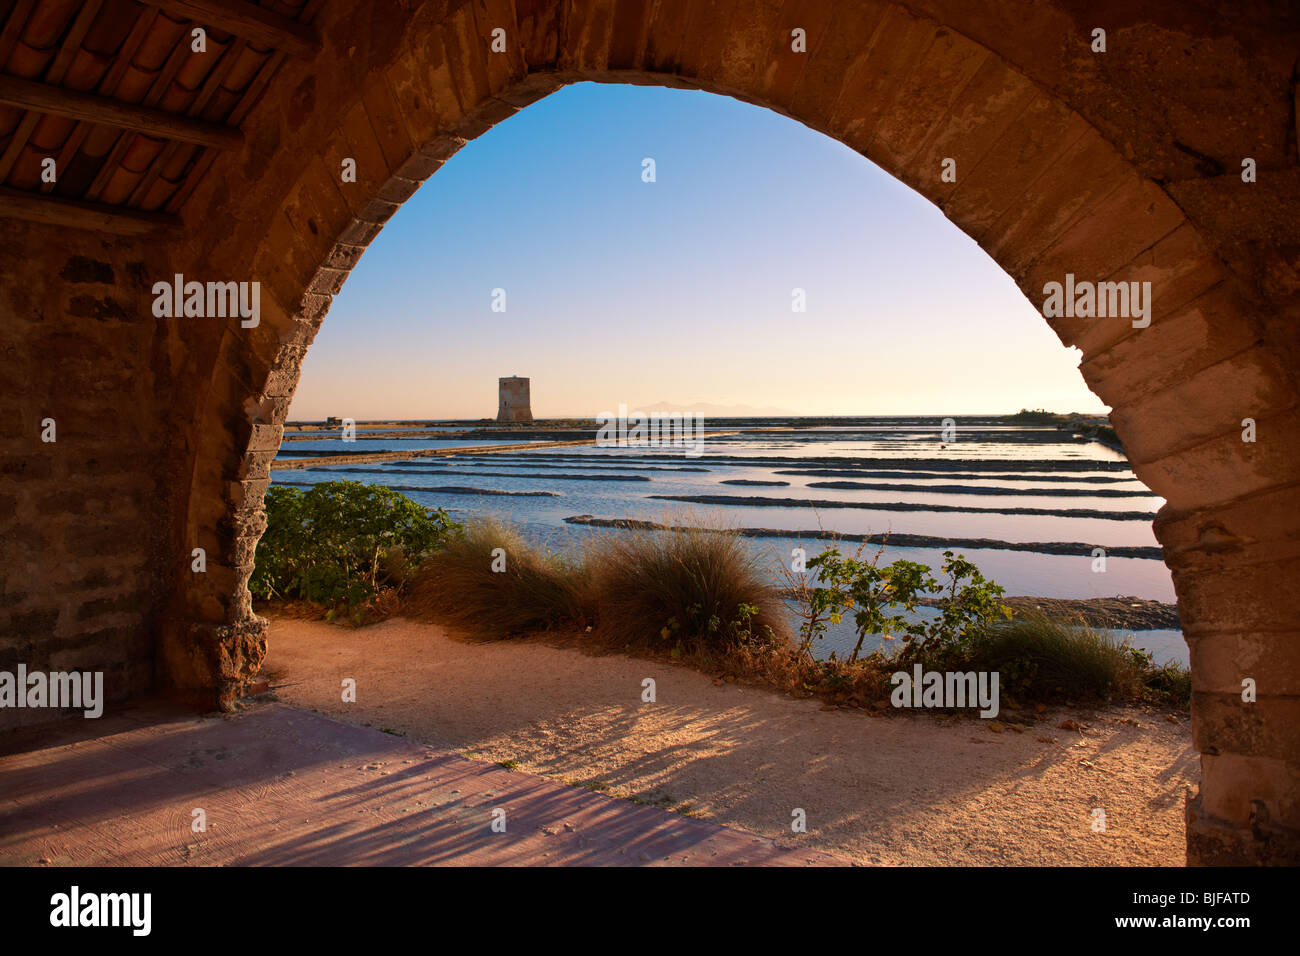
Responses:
[896,789]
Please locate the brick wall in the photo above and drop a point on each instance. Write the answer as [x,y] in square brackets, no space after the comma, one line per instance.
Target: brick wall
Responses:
[82,517]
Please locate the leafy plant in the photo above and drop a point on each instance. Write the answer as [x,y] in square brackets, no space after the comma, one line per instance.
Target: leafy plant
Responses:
[884,601]
[879,597]
[339,541]
[967,610]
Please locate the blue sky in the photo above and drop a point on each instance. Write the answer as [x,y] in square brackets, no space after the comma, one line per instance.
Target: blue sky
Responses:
[680,290]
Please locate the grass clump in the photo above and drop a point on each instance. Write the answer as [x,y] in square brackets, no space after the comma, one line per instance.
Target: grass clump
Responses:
[1170,681]
[693,589]
[490,581]
[1041,658]
[680,589]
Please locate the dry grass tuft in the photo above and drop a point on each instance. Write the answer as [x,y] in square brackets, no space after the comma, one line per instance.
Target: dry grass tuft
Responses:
[536,590]
[699,588]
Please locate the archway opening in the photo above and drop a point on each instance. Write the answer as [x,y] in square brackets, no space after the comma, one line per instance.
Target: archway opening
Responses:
[830,335]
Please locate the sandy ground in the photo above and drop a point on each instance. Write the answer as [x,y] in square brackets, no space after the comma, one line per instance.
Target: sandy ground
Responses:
[898,788]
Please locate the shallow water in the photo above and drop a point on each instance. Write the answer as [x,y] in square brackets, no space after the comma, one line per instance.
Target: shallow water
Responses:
[371,429]
[586,480]
[337,445]
[630,499]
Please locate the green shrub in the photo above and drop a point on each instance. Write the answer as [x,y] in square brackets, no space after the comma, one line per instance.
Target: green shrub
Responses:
[1036,656]
[881,599]
[969,607]
[871,592]
[339,541]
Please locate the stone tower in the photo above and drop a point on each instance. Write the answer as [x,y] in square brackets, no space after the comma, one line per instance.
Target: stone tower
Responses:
[513,401]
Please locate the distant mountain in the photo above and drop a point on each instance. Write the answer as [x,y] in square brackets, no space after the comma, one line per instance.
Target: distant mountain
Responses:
[709,410]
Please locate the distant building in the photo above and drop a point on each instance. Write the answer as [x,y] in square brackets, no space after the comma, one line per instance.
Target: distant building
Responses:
[513,401]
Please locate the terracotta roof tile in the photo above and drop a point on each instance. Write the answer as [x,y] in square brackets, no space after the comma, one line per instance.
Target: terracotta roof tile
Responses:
[140,152]
[9,117]
[158,194]
[77,174]
[180,161]
[119,186]
[133,53]
[27,61]
[177,98]
[245,67]
[222,104]
[134,84]
[198,65]
[101,140]
[26,173]
[86,70]
[51,133]
[159,43]
[48,22]
[221,36]
[111,27]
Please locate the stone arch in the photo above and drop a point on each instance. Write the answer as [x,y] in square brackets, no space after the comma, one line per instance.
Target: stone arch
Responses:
[1044,188]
